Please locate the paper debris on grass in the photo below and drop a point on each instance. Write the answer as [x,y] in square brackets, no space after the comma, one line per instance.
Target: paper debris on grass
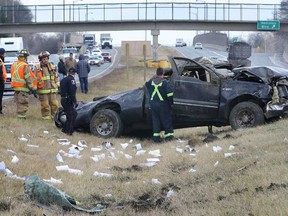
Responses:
[127,156]
[217,148]
[107,145]
[230,154]
[138,146]
[17,177]
[156,181]
[231,147]
[155,153]
[96,148]
[140,152]
[192,170]
[9,150]
[22,138]
[15,159]
[74,151]
[170,193]
[53,180]
[180,150]
[112,155]
[97,158]
[75,171]
[82,143]
[59,158]
[179,140]
[62,168]
[153,159]
[216,164]
[33,146]
[193,154]
[63,142]
[99,174]
[149,164]
[46,132]
[131,140]
[124,145]
[69,155]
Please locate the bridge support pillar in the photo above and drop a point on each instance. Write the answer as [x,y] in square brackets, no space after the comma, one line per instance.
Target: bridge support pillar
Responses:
[155,34]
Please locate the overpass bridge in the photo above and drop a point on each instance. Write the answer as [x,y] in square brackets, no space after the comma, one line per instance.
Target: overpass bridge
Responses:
[139,16]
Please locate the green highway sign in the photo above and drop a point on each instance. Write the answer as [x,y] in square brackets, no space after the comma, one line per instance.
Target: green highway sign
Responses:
[268,25]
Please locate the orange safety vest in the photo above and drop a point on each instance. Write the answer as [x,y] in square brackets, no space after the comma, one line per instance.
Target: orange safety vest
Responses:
[4,73]
[20,81]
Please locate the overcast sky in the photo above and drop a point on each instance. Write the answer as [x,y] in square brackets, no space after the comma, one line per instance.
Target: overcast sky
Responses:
[165,37]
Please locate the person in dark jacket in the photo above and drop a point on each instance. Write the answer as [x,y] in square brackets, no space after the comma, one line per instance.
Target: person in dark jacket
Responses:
[83,69]
[161,100]
[68,100]
[2,76]
[61,68]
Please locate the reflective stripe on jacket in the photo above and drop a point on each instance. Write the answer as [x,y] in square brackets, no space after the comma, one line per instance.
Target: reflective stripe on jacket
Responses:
[22,77]
[47,78]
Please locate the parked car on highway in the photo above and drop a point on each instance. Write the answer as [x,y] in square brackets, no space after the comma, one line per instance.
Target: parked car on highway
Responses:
[94,60]
[107,56]
[205,94]
[198,46]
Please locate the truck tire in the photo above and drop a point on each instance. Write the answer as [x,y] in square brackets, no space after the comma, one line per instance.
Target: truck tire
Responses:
[60,118]
[246,115]
[106,123]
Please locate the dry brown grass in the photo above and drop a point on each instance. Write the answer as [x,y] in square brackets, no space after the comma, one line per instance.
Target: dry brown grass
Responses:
[251,182]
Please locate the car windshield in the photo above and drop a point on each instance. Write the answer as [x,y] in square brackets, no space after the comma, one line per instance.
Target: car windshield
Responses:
[105,54]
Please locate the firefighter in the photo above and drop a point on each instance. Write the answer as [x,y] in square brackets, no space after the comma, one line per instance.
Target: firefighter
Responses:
[2,76]
[68,100]
[48,84]
[24,82]
[161,100]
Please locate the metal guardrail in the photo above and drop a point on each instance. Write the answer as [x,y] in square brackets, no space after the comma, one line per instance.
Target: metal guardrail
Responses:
[141,12]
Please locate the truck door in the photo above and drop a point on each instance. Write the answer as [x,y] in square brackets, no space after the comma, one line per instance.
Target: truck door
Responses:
[196,96]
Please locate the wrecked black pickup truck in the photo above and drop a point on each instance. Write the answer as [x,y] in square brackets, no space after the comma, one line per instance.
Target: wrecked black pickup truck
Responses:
[205,94]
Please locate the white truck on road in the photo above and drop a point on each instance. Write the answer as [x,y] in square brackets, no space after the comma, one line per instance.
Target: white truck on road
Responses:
[106,41]
[11,45]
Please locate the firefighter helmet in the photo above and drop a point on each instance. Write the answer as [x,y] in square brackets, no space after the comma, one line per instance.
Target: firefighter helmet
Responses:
[43,54]
[23,53]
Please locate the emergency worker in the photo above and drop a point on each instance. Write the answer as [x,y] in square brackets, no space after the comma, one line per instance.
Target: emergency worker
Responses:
[161,100]
[2,76]
[70,62]
[24,82]
[68,100]
[47,86]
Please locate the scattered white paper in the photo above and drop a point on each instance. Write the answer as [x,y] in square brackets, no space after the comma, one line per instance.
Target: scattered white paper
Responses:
[153,159]
[74,151]
[138,146]
[124,145]
[33,146]
[15,159]
[231,147]
[75,171]
[170,193]
[149,164]
[192,170]
[179,140]
[156,181]
[127,156]
[216,164]
[155,153]
[64,142]
[9,150]
[131,140]
[95,158]
[53,180]
[96,149]
[62,168]
[112,155]
[140,152]
[59,158]
[193,154]
[17,177]
[22,138]
[230,154]
[46,132]
[82,143]
[2,166]
[99,174]
[180,150]
[217,148]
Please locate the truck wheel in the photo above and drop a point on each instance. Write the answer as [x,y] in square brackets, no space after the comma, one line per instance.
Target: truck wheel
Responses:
[106,123]
[246,115]
[60,118]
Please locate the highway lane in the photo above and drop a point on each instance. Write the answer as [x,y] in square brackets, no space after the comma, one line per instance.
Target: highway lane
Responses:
[257,59]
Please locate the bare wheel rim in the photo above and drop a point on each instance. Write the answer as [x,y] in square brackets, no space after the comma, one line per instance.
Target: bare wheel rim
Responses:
[245,118]
[104,125]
